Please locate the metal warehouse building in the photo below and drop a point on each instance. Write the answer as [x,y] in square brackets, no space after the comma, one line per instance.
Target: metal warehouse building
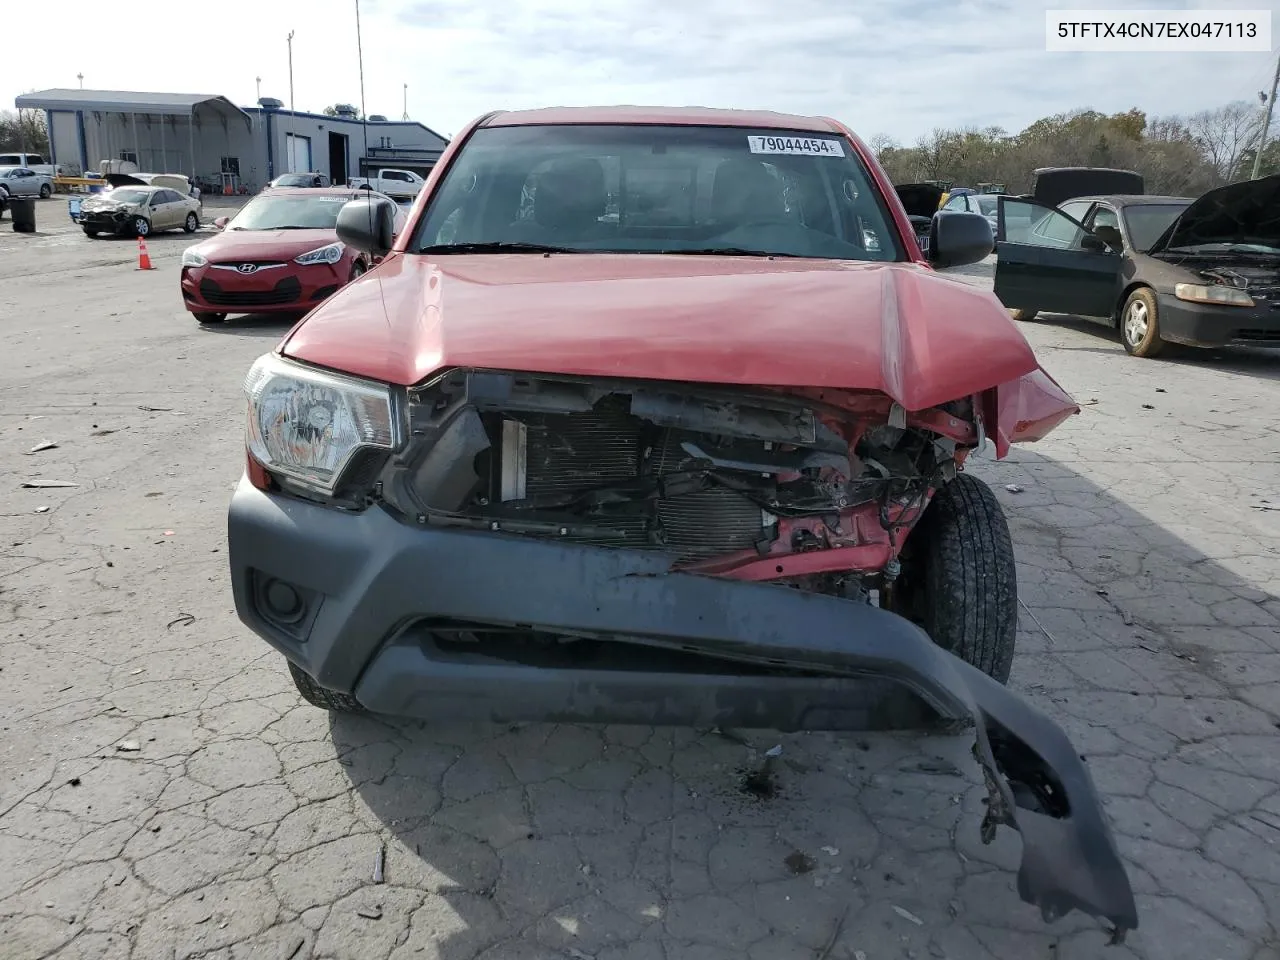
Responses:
[219,144]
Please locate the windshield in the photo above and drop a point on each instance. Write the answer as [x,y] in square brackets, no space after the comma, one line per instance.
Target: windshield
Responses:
[289,213]
[987,205]
[659,189]
[292,180]
[1147,221]
[129,195]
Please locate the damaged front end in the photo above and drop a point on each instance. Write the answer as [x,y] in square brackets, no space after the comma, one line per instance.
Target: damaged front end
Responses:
[473,572]
[751,485]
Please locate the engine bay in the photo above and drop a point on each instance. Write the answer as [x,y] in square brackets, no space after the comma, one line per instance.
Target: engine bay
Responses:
[691,470]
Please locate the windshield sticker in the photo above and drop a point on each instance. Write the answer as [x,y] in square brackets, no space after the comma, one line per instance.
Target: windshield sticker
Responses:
[796,146]
[333,199]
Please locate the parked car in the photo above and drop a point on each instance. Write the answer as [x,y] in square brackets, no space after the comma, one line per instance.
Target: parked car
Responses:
[139,212]
[32,161]
[25,182]
[980,203]
[312,179]
[400,184]
[1203,272]
[701,472]
[920,200]
[279,254]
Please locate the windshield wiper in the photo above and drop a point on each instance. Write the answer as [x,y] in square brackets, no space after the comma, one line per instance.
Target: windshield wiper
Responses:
[496,246]
[731,252]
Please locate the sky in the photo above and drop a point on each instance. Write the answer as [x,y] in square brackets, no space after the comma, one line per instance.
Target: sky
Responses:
[895,67]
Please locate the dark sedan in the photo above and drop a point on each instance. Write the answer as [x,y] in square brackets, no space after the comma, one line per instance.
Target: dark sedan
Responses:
[1204,272]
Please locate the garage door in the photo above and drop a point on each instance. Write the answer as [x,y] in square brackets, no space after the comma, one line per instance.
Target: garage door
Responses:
[299,153]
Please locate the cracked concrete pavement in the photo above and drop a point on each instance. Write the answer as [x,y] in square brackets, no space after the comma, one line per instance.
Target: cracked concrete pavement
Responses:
[164,793]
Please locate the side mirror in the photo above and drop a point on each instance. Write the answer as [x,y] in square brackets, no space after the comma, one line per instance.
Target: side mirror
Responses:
[1107,237]
[367,225]
[220,223]
[956,239]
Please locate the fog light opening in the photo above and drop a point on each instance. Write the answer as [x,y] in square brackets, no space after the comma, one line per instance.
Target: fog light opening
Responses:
[283,602]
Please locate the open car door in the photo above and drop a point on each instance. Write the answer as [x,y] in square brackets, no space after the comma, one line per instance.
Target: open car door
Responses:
[1047,261]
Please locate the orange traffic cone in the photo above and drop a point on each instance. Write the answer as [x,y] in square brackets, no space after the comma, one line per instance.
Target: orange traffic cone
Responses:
[144,258]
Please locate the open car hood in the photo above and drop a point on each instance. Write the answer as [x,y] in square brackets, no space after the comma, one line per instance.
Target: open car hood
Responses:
[125,180]
[1244,212]
[919,199]
[1055,185]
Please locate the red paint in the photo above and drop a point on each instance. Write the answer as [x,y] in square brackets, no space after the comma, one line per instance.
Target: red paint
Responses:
[844,325]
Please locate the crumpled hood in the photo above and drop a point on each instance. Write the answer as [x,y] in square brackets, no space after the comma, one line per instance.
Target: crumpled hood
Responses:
[234,245]
[896,328]
[103,203]
[1244,212]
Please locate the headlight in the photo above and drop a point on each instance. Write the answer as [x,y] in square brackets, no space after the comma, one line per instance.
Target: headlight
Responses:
[330,254]
[1212,293]
[307,424]
[191,257]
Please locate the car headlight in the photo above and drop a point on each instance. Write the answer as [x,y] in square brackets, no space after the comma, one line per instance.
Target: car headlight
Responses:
[307,424]
[191,257]
[1212,293]
[328,254]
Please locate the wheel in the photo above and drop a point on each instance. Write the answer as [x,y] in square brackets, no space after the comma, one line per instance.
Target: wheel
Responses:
[90,231]
[191,224]
[958,577]
[141,226]
[46,191]
[318,696]
[207,318]
[1140,324]
[1024,315]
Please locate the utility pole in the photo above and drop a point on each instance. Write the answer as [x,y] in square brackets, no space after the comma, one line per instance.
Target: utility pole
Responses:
[258,81]
[405,115]
[292,119]
[1266,124]
[80,77]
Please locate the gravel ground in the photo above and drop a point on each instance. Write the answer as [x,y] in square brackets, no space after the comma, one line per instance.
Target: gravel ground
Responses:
[245,824]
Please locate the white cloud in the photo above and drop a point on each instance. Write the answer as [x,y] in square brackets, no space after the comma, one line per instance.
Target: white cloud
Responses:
[900,67]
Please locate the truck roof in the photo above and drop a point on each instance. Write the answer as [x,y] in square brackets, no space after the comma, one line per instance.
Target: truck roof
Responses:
[672,116]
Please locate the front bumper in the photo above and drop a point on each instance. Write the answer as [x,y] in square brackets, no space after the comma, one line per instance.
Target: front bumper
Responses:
[1210,325]
[108,221]
[291,288]
[367,581]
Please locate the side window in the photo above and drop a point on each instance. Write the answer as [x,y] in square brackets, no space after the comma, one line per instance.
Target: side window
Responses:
[1040,226]
[1106,224]
[955,203]
[395,175]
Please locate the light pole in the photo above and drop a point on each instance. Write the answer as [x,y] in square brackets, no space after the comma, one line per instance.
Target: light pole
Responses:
[405,115]
[258,81]
[80,77]
[292,118]
[1266,122]
[364,117]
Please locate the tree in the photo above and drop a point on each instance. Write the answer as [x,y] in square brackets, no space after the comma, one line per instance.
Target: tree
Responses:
[24,131]
[1225,133]
[332,111]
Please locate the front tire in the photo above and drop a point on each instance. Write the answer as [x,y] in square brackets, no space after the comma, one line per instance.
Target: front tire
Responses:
[318,696]
[207,318]
[141,226]
[1140,324]
[46,191]
[1024,315]
[191,224]
[959,582]
[89,231]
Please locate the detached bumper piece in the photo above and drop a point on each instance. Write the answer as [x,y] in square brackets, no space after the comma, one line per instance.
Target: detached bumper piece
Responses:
[346,596]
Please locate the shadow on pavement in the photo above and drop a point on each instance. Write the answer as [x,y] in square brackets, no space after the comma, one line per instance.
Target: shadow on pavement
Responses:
[271,325]
[1249,361]
[554,840]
